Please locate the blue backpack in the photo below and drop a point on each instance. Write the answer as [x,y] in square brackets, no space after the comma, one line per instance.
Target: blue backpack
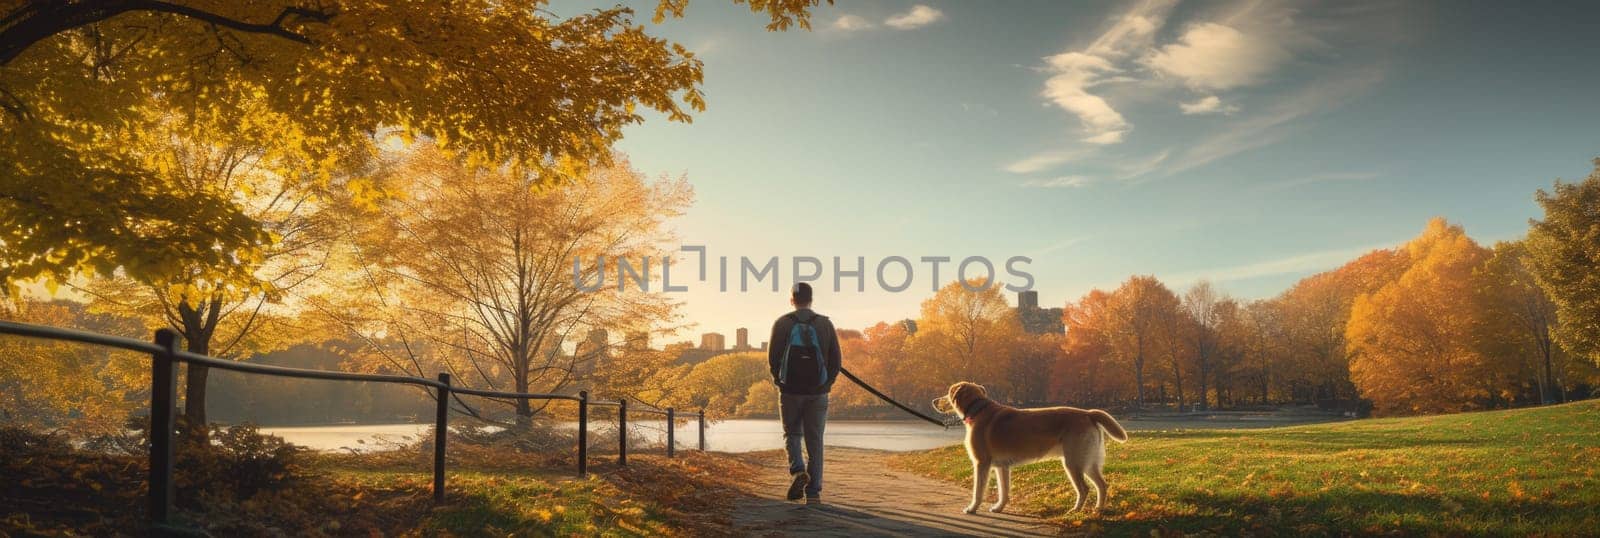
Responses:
[803,365]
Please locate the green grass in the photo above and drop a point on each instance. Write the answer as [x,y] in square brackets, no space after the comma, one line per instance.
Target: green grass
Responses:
[654,496]
[1517,472]
[53,489]
[522,503]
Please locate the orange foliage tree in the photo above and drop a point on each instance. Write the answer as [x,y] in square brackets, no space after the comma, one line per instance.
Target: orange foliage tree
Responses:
[1314,313]
[968,335]
[1140,323]
[1086,371]
[1414,342]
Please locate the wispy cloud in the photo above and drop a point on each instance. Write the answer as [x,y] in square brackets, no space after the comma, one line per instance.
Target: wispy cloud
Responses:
[1209,104]
[1074,74]
[1058,182]
[1210,58]
[1329,177]
[1297,264]
[851,23]
[1137,168]
[1044,160]
[1321,95]
[1059,245]
[919,16]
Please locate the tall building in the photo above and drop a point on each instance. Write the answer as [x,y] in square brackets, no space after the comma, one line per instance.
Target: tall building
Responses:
[638,340]
[741,339]
[713,342]
[1037,320]
[1028,299]
[595,344]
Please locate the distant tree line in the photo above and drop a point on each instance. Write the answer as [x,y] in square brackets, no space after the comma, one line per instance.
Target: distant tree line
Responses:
[1439,324]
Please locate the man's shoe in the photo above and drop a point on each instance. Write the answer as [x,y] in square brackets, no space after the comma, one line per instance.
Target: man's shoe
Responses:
[813,500]
[797,486]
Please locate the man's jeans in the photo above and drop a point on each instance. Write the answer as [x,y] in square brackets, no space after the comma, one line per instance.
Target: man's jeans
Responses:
[804,416]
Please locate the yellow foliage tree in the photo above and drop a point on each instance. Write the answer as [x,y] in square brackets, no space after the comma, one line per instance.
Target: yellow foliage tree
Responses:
[1522,318]
[77,388]
[495,81]
[239,309]
[1312,317]
[1140,314]
[482,267]
[1415,344]
[967,332]
[722,384]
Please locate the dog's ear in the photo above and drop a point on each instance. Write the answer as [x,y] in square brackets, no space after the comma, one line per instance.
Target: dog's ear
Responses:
[965,391]
[981,391]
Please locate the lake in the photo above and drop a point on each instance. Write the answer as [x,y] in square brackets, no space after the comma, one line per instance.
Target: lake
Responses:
[749,435]
[737,435]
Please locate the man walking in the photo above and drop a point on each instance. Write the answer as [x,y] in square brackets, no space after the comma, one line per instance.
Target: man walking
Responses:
[804,358]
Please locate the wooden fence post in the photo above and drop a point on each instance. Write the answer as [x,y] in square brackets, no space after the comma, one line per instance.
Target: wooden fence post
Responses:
[622,432]
[441,430]
[672,445]
[702,417]
[583,432]
[163,401]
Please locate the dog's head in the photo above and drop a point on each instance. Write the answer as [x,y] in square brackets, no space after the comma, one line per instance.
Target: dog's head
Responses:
[960,397]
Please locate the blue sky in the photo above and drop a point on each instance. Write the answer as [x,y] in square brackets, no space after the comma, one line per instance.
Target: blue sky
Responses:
[1252,143]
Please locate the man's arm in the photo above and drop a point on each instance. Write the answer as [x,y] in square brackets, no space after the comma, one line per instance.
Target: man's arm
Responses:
[774,355]
[833,354]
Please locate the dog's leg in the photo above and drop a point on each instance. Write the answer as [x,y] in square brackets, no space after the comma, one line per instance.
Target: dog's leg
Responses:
[1099,485]
[980,482]
[1075,474]
[1003,474]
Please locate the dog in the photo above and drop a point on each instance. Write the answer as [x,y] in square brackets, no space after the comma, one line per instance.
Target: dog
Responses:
[999,437]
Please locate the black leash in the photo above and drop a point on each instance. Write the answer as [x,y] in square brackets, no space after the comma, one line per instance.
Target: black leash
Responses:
[880,395]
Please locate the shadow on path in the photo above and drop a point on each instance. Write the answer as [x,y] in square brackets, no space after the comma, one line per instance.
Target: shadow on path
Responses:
[863,497]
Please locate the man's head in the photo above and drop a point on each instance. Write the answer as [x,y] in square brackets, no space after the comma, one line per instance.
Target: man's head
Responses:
[801,296]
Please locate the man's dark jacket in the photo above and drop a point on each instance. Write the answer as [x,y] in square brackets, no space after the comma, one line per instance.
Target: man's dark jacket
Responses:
[826,337]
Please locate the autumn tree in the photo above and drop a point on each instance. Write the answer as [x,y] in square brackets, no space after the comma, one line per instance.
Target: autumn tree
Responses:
[967,333]
[885,359]
[67,386]
[1523,318]
[1234,335]
[1203,306]
[1564,250]
[1142,312]
[852,344]
[760,400]
[723,384]
[1260,342]
[1314,314]
[217,311]
[1175,346]
[1031,365]
[497,82]
[1414,342]
[500,272]
[1086,370]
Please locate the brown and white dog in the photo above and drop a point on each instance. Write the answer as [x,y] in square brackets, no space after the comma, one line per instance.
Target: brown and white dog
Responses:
[1000,437]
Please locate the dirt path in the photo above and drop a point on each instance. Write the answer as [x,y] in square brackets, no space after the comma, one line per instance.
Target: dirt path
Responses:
[863,497]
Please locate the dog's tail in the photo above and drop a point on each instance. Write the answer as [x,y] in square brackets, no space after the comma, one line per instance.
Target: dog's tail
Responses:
[1109,425]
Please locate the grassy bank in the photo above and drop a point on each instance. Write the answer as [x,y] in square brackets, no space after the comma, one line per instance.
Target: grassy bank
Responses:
[52,489]
[1517,472]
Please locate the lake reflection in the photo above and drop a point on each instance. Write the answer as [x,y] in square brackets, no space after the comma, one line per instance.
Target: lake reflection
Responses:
[740,435]
[749,435]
